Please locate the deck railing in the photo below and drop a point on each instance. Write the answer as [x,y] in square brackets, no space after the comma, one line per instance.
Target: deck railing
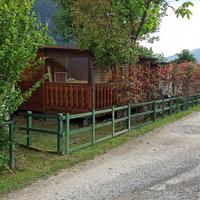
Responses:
[70,97]
[109,94]
[77,97]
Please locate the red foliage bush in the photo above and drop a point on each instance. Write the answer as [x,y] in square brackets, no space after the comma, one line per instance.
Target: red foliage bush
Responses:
[145,83]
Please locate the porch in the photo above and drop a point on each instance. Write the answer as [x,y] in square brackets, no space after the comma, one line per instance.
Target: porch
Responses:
[68,88]
[77,97]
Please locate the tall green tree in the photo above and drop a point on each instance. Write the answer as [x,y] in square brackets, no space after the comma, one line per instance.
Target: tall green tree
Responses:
[111,29]
[20,38]
[185,56]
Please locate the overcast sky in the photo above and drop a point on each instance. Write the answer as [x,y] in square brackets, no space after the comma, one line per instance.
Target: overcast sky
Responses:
[177,33]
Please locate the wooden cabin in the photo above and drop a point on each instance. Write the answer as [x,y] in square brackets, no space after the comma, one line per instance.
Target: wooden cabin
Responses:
[69,86]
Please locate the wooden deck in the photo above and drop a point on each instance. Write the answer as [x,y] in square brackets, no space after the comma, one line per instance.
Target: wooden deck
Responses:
[77,97]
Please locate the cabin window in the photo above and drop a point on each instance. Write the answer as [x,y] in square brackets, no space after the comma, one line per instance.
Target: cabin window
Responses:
[60,77]
[68,69]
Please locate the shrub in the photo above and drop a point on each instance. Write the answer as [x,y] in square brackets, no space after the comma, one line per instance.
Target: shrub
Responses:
[3,149]
[3,162]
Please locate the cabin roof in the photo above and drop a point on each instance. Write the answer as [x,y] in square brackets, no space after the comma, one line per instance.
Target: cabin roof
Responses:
[147,58]
[65,48]
[76,50]
[60,47]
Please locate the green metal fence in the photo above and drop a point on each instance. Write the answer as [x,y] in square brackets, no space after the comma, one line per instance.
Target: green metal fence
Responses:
[122,120]
[9,129]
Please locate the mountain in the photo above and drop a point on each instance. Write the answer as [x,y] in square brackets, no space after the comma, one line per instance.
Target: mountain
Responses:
[195,52]
[45,11]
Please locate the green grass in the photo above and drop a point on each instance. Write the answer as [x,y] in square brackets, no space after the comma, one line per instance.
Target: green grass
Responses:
[33,165]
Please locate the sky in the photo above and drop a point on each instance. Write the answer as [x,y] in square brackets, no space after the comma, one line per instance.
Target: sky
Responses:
[176,33]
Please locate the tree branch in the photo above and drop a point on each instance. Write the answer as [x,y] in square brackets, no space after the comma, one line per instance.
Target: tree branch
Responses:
[168,5]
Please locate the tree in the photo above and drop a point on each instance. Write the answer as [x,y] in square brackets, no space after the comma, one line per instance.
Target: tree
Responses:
[111,29]
[20,38]
[185,56]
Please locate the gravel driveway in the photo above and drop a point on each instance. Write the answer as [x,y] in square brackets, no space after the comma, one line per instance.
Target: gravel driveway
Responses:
[164,164]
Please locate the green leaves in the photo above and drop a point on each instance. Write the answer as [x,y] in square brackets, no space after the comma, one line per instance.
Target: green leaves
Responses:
[111,29]
[184,10]
[20,37]
[185,56]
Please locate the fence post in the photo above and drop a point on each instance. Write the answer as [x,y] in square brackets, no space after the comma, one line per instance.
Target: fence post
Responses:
[113,121]
[185,106]
[68,132]
[196,99]
[129,117]
[170,105]
[29,126]
[188,102]
[11,145]
[163,107]
[154,110]
[59,133]
[93,126]
[177,105]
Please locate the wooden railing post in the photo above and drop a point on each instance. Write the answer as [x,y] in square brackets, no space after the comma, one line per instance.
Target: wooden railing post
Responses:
[29,126]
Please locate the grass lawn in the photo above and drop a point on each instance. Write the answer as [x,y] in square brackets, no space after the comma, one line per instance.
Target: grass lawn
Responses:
[33,165]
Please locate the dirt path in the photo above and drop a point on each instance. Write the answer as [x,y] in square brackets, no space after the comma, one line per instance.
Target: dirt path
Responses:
[164,164]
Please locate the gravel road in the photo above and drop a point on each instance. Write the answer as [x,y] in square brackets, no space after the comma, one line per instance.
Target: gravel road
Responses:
[164,164]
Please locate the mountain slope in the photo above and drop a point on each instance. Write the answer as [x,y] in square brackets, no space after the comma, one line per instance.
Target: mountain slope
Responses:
[45,11]
[196,53]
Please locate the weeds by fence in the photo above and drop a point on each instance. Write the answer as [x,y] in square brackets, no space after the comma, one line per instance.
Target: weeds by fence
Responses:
[66,138]
[7,138]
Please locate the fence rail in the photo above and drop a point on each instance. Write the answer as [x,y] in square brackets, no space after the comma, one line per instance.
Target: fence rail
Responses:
[122,120]
[10,130]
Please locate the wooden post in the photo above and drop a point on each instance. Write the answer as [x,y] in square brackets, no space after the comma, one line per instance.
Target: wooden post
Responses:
[129,117]
[170,105]
[59,134]
[188,102]
[93,85]
[29,126]
[177,105]
[11,145]
[113,121]
[163,107]
[93,126]
[154,110]
[68,133]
